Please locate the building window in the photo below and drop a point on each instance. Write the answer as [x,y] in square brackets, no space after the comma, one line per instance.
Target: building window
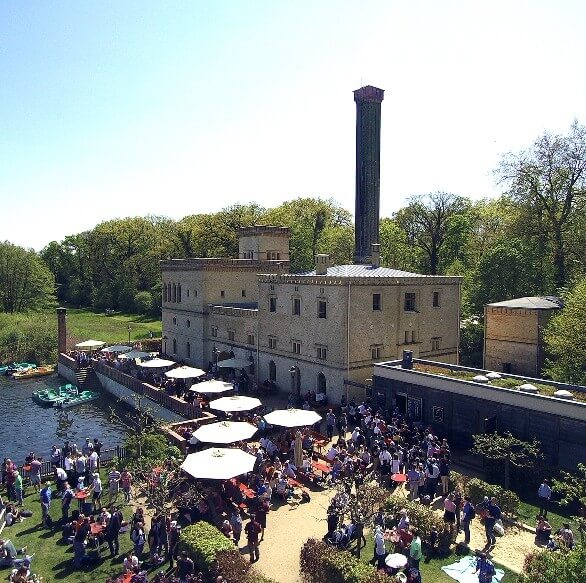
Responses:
[321,383]
[214,332]
[250,339]
[407,335]
[273,255]
[174,292]
[174,346]
[174,321]
[179,293]
[410,305]
[376,305]
[413,338]
[188,350]
[322,309]
[410,337]
[248,254]
[435,344]
[243,293]
[187,293]
[296,347]
[195,292]
[321,352]
[436,300]
[165,292]
[272,371]
[222,293]
[272,343]
[272,287]
[296,306]
[375,352]
[188,323]
[272,304]
[231,335]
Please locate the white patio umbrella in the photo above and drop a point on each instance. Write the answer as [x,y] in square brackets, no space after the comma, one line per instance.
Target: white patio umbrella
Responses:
[156,363]
[135,354]
[234,363]
[236,403]
[117,348]
[185,372]
[292,417]
[224,432]
[218,463]
[212,386]
[91,344]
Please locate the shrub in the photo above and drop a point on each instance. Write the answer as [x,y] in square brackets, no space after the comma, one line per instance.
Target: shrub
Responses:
[508,501]
[547,567]
[203,542]
[422,517]
[321,563]
[459,481]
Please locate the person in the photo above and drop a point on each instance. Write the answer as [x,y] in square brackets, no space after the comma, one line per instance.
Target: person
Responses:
[79,541]
[484,568]
[493,514]
[380,551]
[566,536]
[174,533]
[252,530]
[138,537]
[469,513]
[60,479]
[415,553]
[45,499]
[126,483]
[542,531]
[185,567]
[68,496]
[113,531]
[9,554]
[131,562]
[330,424]
[403,523]
[444,472]
[236,524]
[450,513]
[261,515]
[18,487]
[35,473]
[544,494]
[97,492]
[113,484]
[12,515]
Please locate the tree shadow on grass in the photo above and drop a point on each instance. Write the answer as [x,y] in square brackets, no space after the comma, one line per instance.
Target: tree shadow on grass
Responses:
[30,530]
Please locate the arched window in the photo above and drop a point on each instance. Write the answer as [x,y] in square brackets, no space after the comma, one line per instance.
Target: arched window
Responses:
[321,383]
[188,350]
[188,323]
[174,346]
[174,292]
[272,371]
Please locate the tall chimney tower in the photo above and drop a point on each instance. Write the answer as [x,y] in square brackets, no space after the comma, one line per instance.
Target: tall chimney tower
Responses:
[368,108]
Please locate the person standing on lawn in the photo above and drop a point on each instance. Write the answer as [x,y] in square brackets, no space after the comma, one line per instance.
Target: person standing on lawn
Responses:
[252,530]
[113,531]
[494,514]
[415,553]
[469,513]
[544,493]
[484,568]
[45,498]
[18,487]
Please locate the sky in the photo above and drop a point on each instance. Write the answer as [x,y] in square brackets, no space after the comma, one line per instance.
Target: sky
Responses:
[112,109]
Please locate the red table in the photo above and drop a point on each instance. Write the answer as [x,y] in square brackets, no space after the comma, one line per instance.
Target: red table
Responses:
[97,528]
[399,478]
[323,468]
[81,497]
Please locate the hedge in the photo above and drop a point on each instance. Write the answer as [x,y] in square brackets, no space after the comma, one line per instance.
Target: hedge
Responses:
[322,563]
[545,567]
[203,542]
[421,517]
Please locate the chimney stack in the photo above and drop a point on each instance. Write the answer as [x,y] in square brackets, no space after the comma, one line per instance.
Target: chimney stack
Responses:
[375,255]
[366,217]
[322,262]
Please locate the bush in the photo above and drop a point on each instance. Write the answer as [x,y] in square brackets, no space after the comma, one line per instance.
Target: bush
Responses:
[422,517]
[143,302]
[321,563]
[203,542]
[508,501]
[544,567]
[459,481]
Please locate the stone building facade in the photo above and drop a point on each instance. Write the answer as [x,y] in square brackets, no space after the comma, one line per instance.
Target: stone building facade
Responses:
[513,334]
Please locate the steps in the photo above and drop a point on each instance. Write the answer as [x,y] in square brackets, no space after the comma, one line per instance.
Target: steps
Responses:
[87,379]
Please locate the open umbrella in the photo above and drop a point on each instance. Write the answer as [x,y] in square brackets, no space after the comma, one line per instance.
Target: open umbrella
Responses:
[234,363]
[225,432]
[117,348]
[135,354]
[236,403]
[292,417]
[218,463]
[91,344]
[212,386]
[156,363]
[185,372]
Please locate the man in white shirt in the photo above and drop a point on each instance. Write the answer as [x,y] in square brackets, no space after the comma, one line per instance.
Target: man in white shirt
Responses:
[385,455]
[379,548]
[544,494]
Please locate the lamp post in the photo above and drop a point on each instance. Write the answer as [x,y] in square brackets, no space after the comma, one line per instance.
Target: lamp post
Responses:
[129,329]
[293,372]
[164,347]
[215,354]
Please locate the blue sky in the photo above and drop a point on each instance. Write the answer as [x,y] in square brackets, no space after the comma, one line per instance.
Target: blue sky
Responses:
[113,109]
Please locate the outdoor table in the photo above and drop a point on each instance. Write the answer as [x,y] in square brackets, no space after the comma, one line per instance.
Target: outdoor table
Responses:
[97,528]
[244,489]
[399,479]
[396,561]
[323,468]
[81,497]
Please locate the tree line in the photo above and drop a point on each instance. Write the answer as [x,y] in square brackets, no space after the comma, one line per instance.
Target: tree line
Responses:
[531,240]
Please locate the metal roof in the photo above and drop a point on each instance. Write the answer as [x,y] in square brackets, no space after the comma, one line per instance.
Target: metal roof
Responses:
[361,271]
[531,303]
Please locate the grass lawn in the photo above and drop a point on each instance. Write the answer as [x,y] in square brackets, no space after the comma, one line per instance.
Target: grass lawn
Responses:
[53,556]
[83,324]
[431,572]
[556,515]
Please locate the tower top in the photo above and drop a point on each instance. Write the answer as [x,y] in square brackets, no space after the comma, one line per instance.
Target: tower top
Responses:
[369,93]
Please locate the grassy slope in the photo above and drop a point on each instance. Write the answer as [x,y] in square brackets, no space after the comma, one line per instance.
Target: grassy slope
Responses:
[83,324]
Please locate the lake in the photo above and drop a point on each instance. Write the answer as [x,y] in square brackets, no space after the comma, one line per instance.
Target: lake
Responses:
[26,426]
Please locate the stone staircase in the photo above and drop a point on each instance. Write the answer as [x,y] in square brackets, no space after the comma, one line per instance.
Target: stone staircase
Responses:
[87,379]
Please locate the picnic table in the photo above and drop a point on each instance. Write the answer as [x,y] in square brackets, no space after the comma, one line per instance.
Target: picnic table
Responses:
[322,467]
[319,440]
[97,528]
[81,497]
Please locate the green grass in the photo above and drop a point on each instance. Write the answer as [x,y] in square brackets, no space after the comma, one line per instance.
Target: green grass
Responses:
[83,324]
[53,557]
[431,572]
[556,515]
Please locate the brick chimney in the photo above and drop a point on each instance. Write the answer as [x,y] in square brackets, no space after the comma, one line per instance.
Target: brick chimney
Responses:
[375,255]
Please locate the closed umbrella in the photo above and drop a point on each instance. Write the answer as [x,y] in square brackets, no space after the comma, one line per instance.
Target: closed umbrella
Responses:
[235,404]
[117,348]
[218,463]
[156,363]
[292,417]
[185,372]
[224,432]
[234,363]
[212,386]
[298,451]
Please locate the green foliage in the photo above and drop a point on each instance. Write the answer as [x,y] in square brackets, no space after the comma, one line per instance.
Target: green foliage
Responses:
[572,487]
[203,542]
[233,567]
[25,281]
[143,302]
[154,446]
[471,342]
[544,567]
[565,338]
[321,563]
[507,500]
[422,517]
[28,337]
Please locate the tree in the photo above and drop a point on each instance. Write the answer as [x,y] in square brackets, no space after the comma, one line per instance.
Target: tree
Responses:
[509,449]
[428,220]
[25,281]
[550,178]
[565,338]
[546,567]
[572,487]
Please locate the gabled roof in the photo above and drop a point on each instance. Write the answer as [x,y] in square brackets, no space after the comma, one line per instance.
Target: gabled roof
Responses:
[531,303]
